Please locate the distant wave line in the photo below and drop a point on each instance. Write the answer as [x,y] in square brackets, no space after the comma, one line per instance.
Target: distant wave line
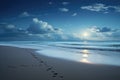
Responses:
[100,49]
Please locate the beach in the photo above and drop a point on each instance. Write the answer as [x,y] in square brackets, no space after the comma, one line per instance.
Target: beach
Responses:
[26,64]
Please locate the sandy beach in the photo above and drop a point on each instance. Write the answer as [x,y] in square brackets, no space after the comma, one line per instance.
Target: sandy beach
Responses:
[26,64]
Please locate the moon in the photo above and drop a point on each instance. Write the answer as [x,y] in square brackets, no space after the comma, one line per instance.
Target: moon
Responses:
[85,34]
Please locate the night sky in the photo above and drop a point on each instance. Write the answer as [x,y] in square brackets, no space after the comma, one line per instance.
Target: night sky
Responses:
[60,19]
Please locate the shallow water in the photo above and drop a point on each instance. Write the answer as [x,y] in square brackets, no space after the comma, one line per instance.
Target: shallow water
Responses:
[86,52]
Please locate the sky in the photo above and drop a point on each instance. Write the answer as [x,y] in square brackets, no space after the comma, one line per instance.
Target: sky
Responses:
[60,20]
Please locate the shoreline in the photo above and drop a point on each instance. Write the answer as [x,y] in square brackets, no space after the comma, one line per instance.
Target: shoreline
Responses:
[26,64]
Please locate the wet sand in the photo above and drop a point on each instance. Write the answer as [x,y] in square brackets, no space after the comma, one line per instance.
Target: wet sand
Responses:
[26,64]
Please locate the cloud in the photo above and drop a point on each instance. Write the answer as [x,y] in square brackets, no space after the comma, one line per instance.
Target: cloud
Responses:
[44,29]
[98,33]
[96,7]
[41,30]
[104,33]
[24,14]
[29,15]
[99,7]
[103,29]
[117,8]
[74,14]
[50,3]
[64,9]
[9,30]
[44,32]
[37,30]
[65,3]
[41,27]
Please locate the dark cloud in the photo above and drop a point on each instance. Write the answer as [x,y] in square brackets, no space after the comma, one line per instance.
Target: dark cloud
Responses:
[105,29]
[102,29]
[104,33]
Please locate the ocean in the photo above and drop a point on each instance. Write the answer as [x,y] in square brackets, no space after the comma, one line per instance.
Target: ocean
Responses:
[89,52]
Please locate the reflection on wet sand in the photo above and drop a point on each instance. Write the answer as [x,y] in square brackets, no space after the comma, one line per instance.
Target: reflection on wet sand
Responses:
[84,60]
[85,56]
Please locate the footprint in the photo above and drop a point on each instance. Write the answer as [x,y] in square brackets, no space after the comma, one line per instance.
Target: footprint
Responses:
[42,61]
[12,66]
[49,69]
[46,64]
[23,65]
[55,74]
[52,71]
[61,76]
[34,65]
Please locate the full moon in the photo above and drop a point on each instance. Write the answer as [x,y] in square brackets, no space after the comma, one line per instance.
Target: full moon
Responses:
[85,34]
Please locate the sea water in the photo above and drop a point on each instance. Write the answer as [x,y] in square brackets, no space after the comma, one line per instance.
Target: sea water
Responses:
[89,52]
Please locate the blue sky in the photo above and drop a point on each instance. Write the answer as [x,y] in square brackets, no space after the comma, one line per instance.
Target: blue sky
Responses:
[69,19]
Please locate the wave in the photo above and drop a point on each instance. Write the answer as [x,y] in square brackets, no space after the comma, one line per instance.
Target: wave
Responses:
[101,46]
[100,49]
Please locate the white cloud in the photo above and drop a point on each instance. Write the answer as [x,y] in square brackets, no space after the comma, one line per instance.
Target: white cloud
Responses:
[50,3]
[99,7]
[65,3]
[96,7]
[106,12]
[35,20]
[10,26]
[64,9]
[74,14]
[24,14]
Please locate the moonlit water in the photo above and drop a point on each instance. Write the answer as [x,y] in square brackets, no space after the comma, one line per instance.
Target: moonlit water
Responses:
[84,51]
